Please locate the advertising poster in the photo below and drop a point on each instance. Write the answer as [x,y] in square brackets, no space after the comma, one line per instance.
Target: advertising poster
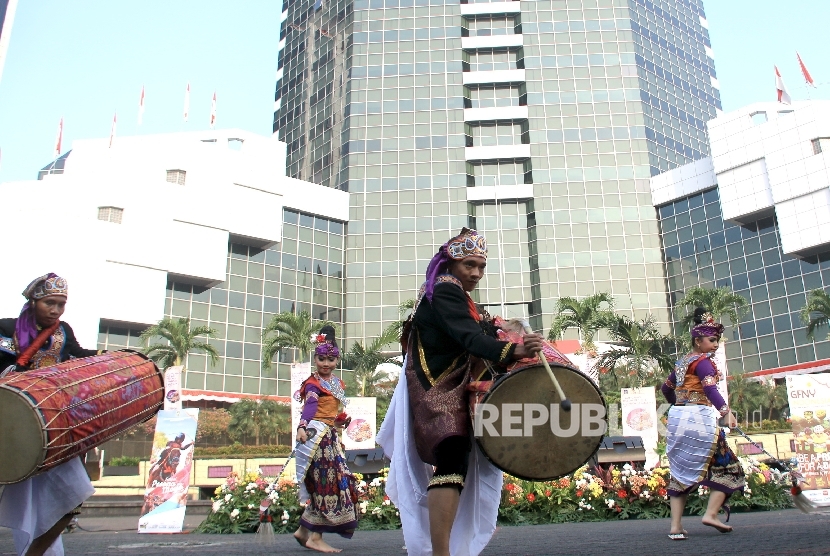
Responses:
[299,372]
[173,387]
[809,397]
[168,478]
[360,434]
[639,418]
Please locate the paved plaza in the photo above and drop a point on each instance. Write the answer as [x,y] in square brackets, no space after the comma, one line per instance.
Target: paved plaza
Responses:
[759,533]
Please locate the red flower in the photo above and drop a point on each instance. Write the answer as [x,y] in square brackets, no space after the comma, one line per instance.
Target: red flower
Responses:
[510,487]
[618,509]
[531,497]
[661,492]
[321,338]
[579,493]
[548,493]
[622,493]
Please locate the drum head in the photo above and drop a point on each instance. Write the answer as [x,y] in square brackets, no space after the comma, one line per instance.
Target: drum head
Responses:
[21,437]
[525,442]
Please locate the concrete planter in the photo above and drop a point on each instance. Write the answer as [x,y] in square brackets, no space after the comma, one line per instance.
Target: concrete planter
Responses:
[120,470]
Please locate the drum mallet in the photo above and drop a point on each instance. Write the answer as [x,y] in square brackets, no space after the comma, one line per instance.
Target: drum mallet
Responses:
[565,404]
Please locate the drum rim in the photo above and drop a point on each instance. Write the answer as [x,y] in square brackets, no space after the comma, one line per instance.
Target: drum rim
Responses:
[504,377]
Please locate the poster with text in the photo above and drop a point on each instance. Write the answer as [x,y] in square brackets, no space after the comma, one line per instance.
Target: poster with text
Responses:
[360,434]
[173,387]
[299,372]
[639,418]
[168,478]
[809,397]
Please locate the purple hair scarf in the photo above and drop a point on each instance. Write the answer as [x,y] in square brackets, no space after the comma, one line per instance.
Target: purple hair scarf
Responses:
[25,330]
[439,265]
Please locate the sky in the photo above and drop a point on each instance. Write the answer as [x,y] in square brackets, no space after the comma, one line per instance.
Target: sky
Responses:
[85,60]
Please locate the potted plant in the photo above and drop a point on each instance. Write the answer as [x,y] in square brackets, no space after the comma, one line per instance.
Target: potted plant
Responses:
[122,467]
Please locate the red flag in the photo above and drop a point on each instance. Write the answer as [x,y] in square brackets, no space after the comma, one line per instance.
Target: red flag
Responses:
[141,105]
[807,77]
[186,102]
[112,130]
[213,112]
[783,95]
[59,139]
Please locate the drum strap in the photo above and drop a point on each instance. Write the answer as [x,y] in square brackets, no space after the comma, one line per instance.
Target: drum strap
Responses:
[36,344]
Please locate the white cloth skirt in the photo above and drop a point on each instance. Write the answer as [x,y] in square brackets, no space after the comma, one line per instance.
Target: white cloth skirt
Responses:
[692,435]
[478,509]
[32,507]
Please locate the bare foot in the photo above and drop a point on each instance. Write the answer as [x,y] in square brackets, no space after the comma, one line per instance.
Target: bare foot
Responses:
[301,535]
[722,527]
[320,546]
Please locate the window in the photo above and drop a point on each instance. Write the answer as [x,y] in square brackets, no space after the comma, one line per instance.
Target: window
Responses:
[176,176]
[758,118]
[110,214]
[818,143]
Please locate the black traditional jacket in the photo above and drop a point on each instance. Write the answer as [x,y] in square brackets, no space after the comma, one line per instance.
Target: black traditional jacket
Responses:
[445,334]
[61,346]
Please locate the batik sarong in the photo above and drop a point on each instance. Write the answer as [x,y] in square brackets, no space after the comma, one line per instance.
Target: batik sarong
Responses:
[331,488]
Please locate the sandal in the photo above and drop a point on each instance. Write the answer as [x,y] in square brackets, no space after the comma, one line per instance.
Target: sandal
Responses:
[720,527]
[678,536]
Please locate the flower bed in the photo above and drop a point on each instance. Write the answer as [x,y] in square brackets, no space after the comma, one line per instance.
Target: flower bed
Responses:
[617,493]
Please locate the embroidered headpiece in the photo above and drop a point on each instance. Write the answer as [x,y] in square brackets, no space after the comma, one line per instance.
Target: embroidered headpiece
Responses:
[324,347]
[467,244]
[707,327]
[46,286]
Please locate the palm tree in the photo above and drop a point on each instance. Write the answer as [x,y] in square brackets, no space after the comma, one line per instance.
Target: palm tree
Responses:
[365,360]
[720,302]
[584,315]
[258,419]
[744,396]
[181,340]
[817,311]
[640,350]
[403,308]
[776,397]
[289,330]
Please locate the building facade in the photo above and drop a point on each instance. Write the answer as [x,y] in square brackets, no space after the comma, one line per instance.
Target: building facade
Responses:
[202,225]
[537,122]
[752,217]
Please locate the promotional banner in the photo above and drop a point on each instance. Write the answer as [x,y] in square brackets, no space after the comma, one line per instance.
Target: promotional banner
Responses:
[173,387]
[360,434]
[299,372]
[639,418]
[809,397]
[169,474]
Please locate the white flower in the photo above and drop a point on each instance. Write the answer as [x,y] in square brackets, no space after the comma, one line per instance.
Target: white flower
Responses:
[250,506]
[387,502]
[375,483]
[364,506]
[274,496]
[217,506]
[610,503]
[284,516]
[228,497]
[235,513]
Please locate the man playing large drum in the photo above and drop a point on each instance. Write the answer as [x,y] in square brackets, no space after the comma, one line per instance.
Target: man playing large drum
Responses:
[443,339]
[39,508]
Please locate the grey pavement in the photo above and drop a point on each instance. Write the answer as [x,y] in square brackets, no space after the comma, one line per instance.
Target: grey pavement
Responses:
[758,533]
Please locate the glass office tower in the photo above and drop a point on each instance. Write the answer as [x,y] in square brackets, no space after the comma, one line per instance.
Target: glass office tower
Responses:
[537,122]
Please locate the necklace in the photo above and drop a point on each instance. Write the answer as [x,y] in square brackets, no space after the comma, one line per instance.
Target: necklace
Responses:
[333,387]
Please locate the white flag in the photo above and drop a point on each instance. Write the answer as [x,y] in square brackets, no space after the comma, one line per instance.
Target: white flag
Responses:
[186,102]
[213,112]
[141,105]
[112,130]
[783,95]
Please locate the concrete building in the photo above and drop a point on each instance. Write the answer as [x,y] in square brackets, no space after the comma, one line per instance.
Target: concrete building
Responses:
[203,225]
[537,122]
[753,217]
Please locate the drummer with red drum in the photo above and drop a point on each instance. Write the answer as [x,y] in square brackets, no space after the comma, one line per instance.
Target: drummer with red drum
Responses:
[444,339]
[39,508]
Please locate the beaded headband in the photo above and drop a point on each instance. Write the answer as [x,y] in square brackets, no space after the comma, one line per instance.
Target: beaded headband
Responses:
[467,244]
[707,327]
[46,286]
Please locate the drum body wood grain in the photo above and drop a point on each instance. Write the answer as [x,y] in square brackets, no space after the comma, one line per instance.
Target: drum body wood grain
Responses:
[547,454]
[52,415]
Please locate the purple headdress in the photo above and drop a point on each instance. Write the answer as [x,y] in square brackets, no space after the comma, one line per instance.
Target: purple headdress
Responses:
[707,327]
[324,347]
[25,329]
[466,244]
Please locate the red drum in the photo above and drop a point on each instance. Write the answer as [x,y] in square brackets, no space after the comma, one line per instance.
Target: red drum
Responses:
[52,415]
